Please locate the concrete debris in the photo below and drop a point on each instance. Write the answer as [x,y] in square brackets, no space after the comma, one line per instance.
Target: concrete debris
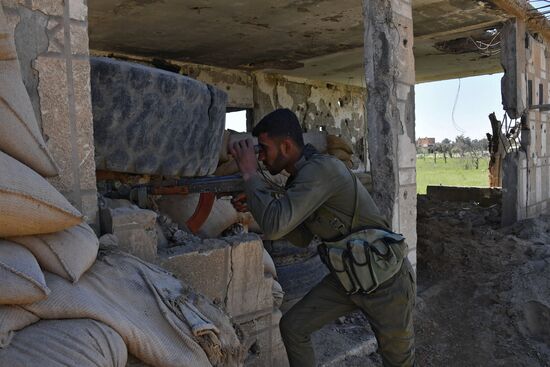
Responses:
[482,288]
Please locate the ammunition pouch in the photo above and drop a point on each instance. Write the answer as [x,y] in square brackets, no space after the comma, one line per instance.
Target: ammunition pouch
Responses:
[365,258]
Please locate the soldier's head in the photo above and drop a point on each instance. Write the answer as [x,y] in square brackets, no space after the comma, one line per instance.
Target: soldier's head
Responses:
[280,138]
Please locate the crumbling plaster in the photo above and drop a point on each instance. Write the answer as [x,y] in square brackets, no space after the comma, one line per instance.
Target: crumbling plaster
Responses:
[390,78]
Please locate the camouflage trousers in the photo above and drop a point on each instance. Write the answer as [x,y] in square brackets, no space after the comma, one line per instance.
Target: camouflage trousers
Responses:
[388,310]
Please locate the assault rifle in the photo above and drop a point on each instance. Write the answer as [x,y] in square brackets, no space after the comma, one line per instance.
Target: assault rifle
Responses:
[208,188]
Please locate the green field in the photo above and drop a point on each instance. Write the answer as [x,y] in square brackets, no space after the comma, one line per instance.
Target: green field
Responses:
[456,172]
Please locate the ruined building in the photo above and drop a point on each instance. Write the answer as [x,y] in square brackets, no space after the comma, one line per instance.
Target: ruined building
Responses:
[346,68]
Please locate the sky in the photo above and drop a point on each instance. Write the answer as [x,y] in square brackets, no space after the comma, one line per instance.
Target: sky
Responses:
[477,98]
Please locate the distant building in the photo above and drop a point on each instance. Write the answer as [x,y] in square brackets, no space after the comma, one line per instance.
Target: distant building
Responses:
[425,143]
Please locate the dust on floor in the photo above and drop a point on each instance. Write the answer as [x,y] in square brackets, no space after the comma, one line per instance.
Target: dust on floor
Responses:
[483,291]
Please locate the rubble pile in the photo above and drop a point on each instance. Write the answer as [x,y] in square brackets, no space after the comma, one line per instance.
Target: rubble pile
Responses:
[483,291]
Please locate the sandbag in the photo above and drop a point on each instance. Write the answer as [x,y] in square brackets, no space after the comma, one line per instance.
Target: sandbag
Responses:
[62,343]
[340,154]
[162,322]
[227,168]
[278,294]
[20,135]
[67,253]
[335,142]
[21,280]
[180,208]
[269,265]
[13,318]
[29,205]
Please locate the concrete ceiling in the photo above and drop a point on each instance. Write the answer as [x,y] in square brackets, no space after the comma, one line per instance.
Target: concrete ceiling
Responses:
[316,39]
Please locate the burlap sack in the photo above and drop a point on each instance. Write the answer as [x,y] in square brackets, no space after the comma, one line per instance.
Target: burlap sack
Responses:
[13,318]
[335,142]
[20,135]
[62,343]
[162,322]
[21,280]
[340,154]
[67,253]
[29,205]
[180,208]
[269,265]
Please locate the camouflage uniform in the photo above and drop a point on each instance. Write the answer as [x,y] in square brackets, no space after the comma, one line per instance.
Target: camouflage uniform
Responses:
[320,194]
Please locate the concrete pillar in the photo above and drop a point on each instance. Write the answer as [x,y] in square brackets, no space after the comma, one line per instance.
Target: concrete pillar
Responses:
[51,39]
[390,78]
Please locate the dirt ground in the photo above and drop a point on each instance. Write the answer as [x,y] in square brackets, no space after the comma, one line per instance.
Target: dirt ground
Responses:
[483,291]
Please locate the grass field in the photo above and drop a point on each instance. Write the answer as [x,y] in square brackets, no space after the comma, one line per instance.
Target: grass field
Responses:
[456,172]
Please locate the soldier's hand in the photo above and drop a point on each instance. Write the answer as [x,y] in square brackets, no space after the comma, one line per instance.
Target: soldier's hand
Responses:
[245,156]
[239,203]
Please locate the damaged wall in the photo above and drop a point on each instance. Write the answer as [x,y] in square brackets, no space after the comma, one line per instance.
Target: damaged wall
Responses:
[338,109]
[390,76]
[51,38]
[526,69]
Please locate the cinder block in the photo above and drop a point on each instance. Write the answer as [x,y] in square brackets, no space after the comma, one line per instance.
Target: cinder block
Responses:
[205,266]
[134,228]
[249,290]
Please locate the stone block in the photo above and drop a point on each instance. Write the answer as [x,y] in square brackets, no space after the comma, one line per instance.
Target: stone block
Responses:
[79,39]
[54,109]
[78,10]
[49,7]
[151,121]
[487,195]
[84,123]
[56,35]
[205,266]
[134,228]
[248,291]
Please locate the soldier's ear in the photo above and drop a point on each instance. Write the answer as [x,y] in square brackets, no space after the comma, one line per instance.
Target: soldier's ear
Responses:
[286,146]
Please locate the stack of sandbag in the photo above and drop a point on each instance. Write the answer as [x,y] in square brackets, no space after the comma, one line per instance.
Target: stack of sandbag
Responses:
[339,148]
[161,321]
[48,269]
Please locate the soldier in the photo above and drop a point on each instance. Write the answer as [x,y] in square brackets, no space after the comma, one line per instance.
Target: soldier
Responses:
[322,198]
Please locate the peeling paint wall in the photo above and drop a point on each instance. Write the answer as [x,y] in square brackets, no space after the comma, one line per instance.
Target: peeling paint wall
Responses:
[526,58]
[51,39]
[337,109]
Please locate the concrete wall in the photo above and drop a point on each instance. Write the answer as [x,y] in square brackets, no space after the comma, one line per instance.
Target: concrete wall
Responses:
[51,38]
[527,57]
[390,78]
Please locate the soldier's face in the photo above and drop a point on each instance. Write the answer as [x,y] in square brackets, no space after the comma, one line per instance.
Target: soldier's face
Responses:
[270,154]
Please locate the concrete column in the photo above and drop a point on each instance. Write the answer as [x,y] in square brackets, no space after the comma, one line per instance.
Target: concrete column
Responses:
[51,38]
[390,78]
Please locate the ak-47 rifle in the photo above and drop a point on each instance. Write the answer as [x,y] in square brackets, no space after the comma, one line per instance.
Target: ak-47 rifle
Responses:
[207,187]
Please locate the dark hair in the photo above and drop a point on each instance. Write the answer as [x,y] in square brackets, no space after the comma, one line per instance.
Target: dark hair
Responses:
[280,123]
